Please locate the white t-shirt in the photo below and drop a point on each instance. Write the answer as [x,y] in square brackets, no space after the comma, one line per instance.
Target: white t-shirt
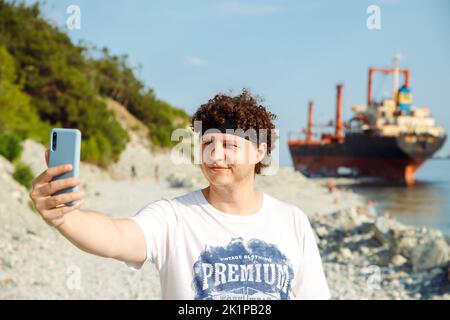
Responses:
[204,253]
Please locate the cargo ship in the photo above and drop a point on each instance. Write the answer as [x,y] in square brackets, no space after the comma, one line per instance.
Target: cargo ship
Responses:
[384,140]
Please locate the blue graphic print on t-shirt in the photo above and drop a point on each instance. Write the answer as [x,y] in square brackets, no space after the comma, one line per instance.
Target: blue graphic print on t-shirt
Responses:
[253,271]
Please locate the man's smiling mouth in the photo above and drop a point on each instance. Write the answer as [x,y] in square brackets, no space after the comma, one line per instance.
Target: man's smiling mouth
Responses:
[218,168]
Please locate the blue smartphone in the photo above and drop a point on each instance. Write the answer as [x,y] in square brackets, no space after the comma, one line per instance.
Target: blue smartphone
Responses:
[65,145]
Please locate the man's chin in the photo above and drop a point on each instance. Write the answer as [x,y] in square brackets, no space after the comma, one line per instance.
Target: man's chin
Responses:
[220,180]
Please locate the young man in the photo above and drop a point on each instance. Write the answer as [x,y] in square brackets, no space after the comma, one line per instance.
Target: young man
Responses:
[226,241]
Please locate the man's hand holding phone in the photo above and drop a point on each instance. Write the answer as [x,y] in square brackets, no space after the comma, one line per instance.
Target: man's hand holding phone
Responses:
[53,208]
[57,197]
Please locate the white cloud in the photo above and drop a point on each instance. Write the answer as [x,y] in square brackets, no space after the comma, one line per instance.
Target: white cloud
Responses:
[196,61]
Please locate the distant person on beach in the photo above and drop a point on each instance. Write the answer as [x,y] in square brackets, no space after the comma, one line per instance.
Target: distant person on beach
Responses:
[133,172]
[331,185]
[157,173]
[226,241]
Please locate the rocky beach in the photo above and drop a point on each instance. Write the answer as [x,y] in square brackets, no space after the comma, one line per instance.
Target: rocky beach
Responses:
[366,254]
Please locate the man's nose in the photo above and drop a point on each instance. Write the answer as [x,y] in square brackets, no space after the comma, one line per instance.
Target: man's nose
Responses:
[218,152]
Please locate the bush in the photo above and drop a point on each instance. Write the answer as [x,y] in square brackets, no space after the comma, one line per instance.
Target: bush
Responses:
[10,146]
[23,175]
[16,112]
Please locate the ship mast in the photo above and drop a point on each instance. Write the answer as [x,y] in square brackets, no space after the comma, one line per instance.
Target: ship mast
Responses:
[396,59]
[309,132]
[338,131]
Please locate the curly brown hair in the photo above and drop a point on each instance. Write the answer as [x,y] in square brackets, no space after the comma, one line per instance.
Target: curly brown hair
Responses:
[242,111]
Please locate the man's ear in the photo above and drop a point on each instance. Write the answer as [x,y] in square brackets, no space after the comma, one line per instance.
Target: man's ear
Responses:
[262,151]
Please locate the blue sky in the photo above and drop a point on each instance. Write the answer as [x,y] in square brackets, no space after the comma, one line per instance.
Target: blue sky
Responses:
[287,52]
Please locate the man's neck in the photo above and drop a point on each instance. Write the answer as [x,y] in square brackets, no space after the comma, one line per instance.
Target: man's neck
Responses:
[242,200]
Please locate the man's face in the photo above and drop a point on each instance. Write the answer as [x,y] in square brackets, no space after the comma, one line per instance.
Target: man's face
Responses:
[228,159]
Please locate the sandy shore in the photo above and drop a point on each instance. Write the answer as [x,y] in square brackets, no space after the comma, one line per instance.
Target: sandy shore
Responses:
[37,262]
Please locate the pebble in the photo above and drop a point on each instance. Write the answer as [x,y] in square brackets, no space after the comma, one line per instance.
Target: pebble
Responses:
[364,250]
[398,260]
[346,253]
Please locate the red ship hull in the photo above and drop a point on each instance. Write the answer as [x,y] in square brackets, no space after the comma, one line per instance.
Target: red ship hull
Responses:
[386,158]
[397,170]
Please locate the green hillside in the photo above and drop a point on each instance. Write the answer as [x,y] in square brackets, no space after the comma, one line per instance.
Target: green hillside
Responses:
[46,81]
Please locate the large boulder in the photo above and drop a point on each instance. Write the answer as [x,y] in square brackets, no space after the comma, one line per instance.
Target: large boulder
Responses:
[385,228]
[347,220]
[405,245]
[179,180]
[183,180]
[431,252]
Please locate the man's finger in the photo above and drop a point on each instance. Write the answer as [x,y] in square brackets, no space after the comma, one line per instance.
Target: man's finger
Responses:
[52,202]
[50,188]
[58,212]
[50,173]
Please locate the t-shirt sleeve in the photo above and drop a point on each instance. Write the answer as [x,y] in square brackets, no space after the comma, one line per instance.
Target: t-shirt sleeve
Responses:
[311,283]
[158,223]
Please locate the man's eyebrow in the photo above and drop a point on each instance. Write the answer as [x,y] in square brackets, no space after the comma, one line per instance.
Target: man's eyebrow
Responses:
[226,140]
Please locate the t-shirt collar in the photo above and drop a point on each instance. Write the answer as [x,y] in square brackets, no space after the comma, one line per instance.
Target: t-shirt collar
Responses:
[203,202]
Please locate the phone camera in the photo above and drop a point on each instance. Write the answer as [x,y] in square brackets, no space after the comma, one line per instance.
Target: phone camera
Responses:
[54,141]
